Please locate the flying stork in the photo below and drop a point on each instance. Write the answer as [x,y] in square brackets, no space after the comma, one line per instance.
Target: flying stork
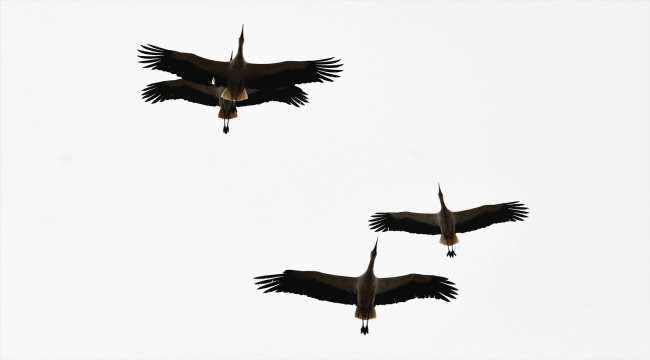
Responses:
[446,222]
[210,95]
[365,291]
[237,75]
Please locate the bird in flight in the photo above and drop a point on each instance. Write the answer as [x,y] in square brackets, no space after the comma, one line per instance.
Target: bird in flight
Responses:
[365,291]
[238,75]
[447,223]
[210,95]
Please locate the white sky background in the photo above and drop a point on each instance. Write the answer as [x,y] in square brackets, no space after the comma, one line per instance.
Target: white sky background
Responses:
[132,230]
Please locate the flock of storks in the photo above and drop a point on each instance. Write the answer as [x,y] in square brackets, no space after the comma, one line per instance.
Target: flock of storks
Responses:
[235,83]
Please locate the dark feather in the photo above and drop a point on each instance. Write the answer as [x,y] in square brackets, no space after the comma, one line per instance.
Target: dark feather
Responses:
[405,221]
[288,73]
[307,283]
[291,95]
[419,287]
[209,95]
[188,66]
[487,215]
[179,89]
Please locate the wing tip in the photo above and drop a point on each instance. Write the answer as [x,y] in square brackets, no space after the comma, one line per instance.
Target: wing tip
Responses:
[378,222]
[518,210]
[267,276]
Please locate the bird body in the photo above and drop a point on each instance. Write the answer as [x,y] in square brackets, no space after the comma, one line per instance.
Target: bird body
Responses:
[447,223]
[236,83]
[365,291]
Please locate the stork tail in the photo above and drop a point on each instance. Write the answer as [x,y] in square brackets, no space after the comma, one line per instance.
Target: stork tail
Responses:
[243,95]
[232,115]
[359,314]
[446,242]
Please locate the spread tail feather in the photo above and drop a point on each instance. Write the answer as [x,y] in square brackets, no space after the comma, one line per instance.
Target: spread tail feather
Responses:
[232,115]
[358,314]
[446,242]
[243,95]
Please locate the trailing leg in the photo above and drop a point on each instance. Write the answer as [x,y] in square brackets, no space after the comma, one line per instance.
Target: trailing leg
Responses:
[364,329]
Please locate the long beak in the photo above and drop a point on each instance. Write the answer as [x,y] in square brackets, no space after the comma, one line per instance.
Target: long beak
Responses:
[439,191]
[242,32]
[375,249]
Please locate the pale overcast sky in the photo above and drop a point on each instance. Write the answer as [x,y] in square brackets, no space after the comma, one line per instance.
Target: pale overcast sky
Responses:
[134,231]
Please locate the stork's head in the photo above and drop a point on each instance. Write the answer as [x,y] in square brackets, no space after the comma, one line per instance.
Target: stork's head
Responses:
[241,37]
[439,192]
[373,253]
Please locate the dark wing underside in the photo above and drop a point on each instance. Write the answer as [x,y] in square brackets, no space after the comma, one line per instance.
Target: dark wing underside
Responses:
[483,216]
[283,74]
[413,286]
[188,66]
[317,285]
[181,89]
[291,95]
[416,223]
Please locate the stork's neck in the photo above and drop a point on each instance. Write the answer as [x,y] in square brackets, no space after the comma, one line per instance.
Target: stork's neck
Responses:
[239,58]
[371,265]
[442,203]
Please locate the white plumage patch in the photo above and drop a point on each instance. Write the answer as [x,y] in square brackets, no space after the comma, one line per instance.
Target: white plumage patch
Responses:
[243,95]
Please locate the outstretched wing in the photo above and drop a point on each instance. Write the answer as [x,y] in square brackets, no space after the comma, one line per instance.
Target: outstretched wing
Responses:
[413,286]
[182,89]
[416,223]
[317,285]
[291,95]
[188,66]
[283,74]
[483,216]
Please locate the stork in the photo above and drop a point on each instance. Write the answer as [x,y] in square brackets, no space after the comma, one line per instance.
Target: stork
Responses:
[365,291]
[448,223]
[237,75]
[210,95]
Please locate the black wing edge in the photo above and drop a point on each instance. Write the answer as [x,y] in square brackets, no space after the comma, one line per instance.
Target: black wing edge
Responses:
[298,97]
[270,281]
[326,69]
[438,288]
[153,56]
[511,211]
[291,95]
[315,71]
[379,222]
[286,283]
[387,222]
[162,91]
[157,58]
[155,93]
[517,211]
